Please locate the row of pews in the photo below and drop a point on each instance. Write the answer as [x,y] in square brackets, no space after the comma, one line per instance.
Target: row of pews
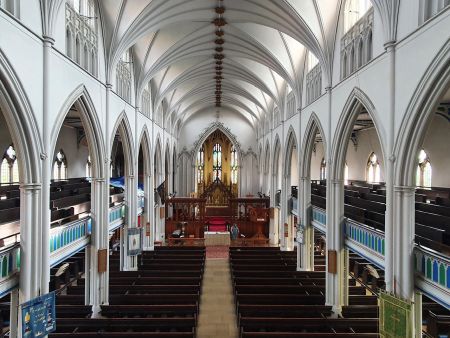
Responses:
[160,299]
[366,203]
[70,200]
[275,300]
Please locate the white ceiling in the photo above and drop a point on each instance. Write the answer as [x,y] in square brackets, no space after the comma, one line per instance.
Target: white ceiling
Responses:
[173,48]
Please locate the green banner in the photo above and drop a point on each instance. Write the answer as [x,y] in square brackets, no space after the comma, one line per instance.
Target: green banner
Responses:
[395,317]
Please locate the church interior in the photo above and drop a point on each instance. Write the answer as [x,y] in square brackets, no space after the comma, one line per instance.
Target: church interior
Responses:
[225,168]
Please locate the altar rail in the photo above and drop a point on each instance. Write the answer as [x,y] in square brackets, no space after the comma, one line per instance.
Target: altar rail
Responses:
[365,240]
[186,242]
[432,271]
[9,268]
[319,219]
[68,239]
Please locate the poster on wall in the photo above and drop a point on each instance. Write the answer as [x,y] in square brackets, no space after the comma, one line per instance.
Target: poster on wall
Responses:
[134,241]
[38,316]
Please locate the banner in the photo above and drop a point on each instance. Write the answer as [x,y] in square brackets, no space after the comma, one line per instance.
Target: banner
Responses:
[395,317]
[38,316]
[134,241]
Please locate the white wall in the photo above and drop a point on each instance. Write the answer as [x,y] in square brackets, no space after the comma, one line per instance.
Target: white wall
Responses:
[316,160]
[436,145]
[76,154]
[358,156]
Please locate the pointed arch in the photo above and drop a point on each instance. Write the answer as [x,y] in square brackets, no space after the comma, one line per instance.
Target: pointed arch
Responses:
[356,100]
[276,155]
[309,139]
[267,159]
[419,112]
[122,126]
[211,129]
[19,116]
[81,98]
[144,141]
[291,145]
[157,162]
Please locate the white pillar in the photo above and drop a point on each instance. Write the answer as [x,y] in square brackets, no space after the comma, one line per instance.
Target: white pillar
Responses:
[403,237]
[389,177]
[44,277]
[304,207]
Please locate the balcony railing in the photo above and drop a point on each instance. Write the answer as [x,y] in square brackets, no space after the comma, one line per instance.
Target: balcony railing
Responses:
[319,219]
[432,271]
[68,239]
[9,268]
[367,241]
[116,216]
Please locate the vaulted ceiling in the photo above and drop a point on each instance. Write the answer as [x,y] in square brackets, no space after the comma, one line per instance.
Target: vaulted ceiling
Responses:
[265,44]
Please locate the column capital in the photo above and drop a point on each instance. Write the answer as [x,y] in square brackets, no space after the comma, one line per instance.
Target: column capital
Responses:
[108,86]
[336,181]
[98,180]
[31,186]
[389,46]
[48,40]
[328,89]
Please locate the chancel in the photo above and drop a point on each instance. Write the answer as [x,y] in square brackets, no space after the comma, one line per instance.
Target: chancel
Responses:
[225,168]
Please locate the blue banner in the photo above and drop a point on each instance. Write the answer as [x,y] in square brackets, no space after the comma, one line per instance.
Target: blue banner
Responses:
[38,316]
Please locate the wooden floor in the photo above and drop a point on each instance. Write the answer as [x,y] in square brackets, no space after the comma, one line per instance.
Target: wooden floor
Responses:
[217,317]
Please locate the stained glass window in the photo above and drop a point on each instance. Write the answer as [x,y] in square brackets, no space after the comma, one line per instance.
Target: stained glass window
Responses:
[234,165]
[423,173]
[217,162]
[60,166]
[373,169]
[201,165]
[9,166]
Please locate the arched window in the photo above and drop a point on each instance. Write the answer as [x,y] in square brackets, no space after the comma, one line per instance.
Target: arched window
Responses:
[201,165]
[234,165]
[323,169]
[423,174]
[9,166]
[81,19]
[217,162]
[346,174]
[89,167]
[60,166]
[373,169]
[354,10]
[123,76]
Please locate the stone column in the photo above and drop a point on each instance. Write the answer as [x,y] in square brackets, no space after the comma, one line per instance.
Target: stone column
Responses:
[336,284]
[47,156]
[97,283]
[304,206]
[30,211]
[404,232]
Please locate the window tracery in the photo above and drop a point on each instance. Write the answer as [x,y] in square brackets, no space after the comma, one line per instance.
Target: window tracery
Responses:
[234,165]
[9,166]
[124,76]
[201,165]
[217,162]
[424,170]
[60,166]
[81,34]
[356,44]
[373,169]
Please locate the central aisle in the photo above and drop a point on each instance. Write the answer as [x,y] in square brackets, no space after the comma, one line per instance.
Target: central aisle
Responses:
[217,318]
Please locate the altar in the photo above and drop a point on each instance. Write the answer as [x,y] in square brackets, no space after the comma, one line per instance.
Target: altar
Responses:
[213,238]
